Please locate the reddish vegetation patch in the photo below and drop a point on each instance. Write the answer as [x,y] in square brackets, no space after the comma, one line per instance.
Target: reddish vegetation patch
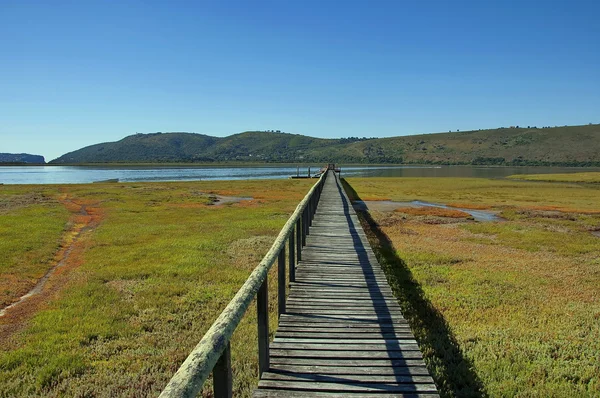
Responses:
[433,211]
[471,206]
[225,192]
[85,216]
[272,195]
[369,198]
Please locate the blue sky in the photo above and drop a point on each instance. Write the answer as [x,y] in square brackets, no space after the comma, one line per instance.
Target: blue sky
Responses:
[75,73]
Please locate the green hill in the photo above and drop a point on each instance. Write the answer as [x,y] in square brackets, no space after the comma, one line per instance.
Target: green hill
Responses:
[566,146]
[21,158]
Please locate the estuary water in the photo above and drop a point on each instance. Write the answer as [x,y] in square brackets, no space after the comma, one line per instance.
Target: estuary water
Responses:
[89,174]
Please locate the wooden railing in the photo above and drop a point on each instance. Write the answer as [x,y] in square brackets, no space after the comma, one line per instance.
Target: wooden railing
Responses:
[213,352]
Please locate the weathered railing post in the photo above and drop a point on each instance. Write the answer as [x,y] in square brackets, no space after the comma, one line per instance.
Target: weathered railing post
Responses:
[292,256]
[299,239]
[304,225]
[311,205]
[222,377]
[281,281]
[262,305]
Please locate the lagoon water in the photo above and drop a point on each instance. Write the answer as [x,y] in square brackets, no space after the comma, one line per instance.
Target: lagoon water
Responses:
[88,174]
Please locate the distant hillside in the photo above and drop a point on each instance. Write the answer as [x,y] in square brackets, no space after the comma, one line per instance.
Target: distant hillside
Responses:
[566,146]
[20,158]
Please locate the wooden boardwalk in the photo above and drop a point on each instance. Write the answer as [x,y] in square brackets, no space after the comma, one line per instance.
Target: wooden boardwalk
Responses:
[343,333]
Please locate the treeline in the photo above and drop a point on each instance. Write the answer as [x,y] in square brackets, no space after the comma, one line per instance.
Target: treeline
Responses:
[494,161]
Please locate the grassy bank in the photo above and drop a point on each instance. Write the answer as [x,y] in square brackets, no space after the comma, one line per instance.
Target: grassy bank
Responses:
[139,289]
[506,308]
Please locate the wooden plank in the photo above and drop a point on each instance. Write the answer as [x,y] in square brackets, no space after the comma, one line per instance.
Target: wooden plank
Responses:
[338,309]
[381,312]
[334,378]
[401,346]
[355,362]
[324,321]
[347,336]
[359,298]
[373,328]
[342,328]
[274,393]
[357,346]
[340,288]
[292,340]
[341,354]
[348,326]
[351,370]
[362,306]
[347,387]
[334,296]
[343,301]
[380,309]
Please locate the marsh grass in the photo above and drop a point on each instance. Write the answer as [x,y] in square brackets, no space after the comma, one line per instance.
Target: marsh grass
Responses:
[152,278]
[505,308]
[433,211]
[481,192]
[32,222]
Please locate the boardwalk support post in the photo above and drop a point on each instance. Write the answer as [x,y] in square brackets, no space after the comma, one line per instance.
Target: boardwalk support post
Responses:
[304,226]
[281,282]
[292,257]
[222,377]
[299,240]
[262,305]
[310,213]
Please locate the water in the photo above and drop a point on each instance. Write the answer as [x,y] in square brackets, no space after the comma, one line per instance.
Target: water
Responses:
[388,205]
[88,174]
[478,215]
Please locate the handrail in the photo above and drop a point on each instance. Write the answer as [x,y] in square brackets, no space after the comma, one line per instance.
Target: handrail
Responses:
[214,348]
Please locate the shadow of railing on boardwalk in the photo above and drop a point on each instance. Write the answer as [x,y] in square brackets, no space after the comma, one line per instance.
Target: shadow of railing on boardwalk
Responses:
[382,312]
[452,372]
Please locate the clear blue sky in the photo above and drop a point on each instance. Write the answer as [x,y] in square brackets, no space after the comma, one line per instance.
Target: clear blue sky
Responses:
[75,73]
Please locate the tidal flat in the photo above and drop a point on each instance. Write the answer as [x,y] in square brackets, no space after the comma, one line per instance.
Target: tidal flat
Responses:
[145,270]
[505,308]
[501,308]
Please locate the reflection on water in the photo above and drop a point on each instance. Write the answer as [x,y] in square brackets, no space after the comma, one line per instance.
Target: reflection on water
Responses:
[87,174]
